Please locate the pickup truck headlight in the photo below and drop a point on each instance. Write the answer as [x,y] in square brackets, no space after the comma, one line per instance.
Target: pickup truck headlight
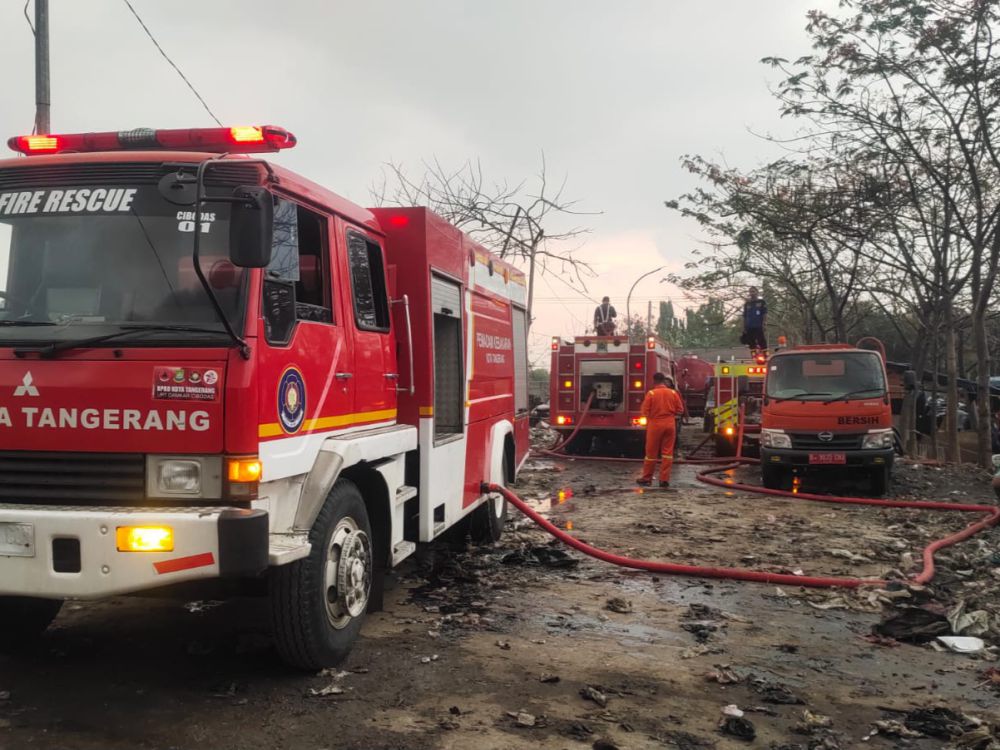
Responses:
[877,440]
[775,439]
[184,476]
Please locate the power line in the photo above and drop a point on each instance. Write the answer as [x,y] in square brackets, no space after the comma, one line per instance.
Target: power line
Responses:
[172,65]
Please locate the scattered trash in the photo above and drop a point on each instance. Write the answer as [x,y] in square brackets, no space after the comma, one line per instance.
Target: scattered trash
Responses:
[980,738]
[549,557]
[968,623]
[739,727]
[723,676]
[701,631]
[549,678]
[891,728]
[619,605]
[522,718]
[455,711]
[333,689]
[605,744]
[199,606]
[811,722]
[939,722]
[595,695]
[503,645]
[961,644]
[429,659]
[774,693]
[732,710]
[913,625]
[848,555]
[700,650]
[991,677]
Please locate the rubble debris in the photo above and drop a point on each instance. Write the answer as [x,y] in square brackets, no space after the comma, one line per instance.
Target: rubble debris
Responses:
[811,722]
[732,710]
[723,676]
[429,659]
[605,744]
[913,625]
[549,557]
[590,692]
[619,605]
[503,645]
[775,693]
[968,623]
[332,689]
[523,718]
[739,727]
[549,679]
[892,729]
[940,722]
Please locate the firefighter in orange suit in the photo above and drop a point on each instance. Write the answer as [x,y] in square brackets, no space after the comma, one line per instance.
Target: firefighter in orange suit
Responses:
[661,408]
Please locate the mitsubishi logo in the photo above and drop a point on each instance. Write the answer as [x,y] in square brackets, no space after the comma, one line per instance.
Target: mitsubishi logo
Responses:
[26,388]
[826,437]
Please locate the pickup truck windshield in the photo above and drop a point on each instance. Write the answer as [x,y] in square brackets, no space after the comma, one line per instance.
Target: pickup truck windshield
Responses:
[826,376]
[91,258]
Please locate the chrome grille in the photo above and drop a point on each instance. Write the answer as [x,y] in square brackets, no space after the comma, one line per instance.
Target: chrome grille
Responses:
[812,441]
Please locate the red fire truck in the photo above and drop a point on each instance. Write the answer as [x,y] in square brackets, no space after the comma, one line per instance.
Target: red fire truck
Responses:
[694,377]
[618,373]
[213,368]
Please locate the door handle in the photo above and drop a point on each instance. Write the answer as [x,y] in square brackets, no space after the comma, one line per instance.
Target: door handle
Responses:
[392,375]
[344,375]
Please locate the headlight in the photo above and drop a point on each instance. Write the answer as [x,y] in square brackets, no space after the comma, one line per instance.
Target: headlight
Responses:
[184,476]
[179,477]
[775,439]
[877,439]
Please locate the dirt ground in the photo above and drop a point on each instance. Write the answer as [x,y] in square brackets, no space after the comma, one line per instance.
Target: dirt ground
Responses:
[522,646]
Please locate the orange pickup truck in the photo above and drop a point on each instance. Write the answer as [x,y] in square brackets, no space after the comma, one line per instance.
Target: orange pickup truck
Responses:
[826,407]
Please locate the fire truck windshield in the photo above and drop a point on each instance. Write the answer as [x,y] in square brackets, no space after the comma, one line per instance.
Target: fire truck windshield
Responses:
[91,258]
[825,376]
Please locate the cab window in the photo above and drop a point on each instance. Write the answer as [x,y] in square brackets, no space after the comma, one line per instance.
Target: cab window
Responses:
[371,300]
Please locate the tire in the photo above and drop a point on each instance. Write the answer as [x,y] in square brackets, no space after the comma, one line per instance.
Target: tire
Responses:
[23,619]
[772,477]
[724,447]
[310,631]
[880,481]
[486,522]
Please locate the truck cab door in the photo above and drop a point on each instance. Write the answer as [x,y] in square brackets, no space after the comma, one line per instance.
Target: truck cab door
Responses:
[376,370]
[305,380]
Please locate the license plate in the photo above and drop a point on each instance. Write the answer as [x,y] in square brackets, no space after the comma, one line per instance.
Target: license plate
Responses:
[828,458]
[17,539]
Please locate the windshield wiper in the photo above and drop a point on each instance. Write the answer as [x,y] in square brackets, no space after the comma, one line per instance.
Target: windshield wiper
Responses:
[51,350]
[859,391]
[798,396]
[27,323]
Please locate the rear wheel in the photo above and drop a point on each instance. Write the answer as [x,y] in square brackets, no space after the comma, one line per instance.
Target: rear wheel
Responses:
[773,477]
[880,480]
[487,521]
[318,603]
[23,619]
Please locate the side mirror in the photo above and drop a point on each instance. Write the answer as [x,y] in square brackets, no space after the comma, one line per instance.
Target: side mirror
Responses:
[251,225]
[909,380]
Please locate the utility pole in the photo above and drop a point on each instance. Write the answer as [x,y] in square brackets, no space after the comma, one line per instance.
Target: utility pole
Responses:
[649,318]
[43,124]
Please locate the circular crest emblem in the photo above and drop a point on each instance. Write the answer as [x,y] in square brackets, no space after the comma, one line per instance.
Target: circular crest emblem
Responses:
[291,400]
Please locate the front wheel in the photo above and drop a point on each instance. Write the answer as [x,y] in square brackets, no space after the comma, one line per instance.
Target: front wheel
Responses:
[487,521]
[773,477]
[880,481]
[318,603]
[25,618]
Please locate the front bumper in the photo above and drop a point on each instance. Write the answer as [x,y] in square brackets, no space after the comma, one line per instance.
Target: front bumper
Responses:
[209,542]
[800,458]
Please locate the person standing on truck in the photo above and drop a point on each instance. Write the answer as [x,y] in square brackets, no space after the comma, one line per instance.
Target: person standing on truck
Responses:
[754,321]
[604,318]
[660,408]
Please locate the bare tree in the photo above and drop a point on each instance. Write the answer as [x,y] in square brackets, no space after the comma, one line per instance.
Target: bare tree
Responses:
[531,221]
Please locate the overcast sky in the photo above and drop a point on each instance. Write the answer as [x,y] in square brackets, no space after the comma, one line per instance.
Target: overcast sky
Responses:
[613,93]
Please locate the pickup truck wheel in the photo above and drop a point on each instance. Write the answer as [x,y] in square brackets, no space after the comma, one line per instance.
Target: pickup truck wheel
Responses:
[23,618]
[318,603]
[773,477]
[880,481]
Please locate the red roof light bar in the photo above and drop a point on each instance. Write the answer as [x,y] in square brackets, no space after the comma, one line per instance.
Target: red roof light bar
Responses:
[242,139]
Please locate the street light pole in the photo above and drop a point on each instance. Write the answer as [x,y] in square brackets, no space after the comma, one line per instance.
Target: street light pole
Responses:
[43,102]
[628,300]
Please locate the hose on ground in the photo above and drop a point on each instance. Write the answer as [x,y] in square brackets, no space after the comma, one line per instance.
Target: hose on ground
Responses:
[742,574]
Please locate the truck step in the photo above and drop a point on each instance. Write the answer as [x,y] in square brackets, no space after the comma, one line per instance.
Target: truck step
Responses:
[285,548]
[402,550]
[405,492]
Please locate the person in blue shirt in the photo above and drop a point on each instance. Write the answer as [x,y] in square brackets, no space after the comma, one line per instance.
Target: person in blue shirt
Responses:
[754,321]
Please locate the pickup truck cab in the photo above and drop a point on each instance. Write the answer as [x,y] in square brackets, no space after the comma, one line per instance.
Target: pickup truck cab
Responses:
[826,408]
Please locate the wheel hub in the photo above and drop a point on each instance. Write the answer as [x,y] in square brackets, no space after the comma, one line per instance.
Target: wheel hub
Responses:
[348,573]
